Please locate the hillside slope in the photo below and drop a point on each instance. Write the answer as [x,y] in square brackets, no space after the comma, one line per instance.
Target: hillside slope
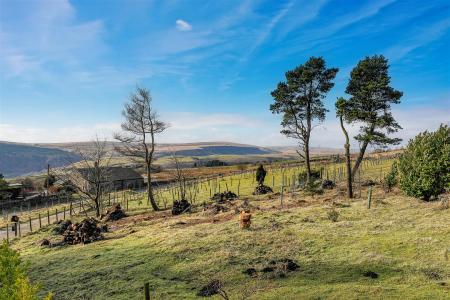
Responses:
[401,240]
[20,159]
[181,149]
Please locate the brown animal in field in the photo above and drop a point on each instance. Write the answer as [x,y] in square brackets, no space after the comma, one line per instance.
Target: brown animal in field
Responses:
[245,219]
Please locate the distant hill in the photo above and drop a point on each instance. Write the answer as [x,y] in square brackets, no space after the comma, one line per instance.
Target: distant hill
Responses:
[20,159]
[181,149]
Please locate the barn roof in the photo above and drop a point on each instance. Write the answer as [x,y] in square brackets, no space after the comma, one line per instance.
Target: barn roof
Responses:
[117,173]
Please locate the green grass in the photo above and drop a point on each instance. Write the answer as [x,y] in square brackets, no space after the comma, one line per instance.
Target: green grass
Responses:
[402,239]
[244,184]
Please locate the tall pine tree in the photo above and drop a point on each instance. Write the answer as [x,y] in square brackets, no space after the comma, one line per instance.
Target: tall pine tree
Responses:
[370,105]
[300,100]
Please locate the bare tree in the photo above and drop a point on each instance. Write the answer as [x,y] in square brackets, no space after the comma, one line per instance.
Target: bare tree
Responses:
[91,175]
[179,176]
[140,127]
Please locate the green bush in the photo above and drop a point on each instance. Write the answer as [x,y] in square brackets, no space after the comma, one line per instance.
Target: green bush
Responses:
[391,178]
[14,284]
[424,167]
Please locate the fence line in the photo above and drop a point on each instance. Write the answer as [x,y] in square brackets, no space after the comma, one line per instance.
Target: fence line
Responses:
[284,179]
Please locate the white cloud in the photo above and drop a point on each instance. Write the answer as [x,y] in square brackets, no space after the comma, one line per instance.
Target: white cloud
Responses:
[183,25]
[48,34]
[199,127]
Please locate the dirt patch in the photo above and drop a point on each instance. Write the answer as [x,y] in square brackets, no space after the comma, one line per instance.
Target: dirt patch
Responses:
[215,287]
[275,268]
[370,274]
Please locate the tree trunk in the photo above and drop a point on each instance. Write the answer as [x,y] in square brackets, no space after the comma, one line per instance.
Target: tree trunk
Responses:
[362,151]
[347,160]
[360,158]
[97,208]
[308,134]
[151,198]
[308,164]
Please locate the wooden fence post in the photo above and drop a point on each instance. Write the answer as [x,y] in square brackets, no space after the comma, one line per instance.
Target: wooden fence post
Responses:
[40,222]
[48,217]
[7,232]
[31,228]
[369,197]
[147,291]
[281,194]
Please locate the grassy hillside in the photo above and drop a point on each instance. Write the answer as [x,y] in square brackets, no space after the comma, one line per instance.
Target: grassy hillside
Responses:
[401,239]
[20,159]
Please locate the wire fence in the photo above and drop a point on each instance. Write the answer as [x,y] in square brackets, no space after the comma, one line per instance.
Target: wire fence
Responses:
[283,179]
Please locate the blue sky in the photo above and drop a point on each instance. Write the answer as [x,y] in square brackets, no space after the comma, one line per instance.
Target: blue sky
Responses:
[66,67]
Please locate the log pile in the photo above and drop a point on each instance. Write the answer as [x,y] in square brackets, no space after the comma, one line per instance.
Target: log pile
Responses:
[180,207]
[225,196]
[84,232]
[114,213]
[62,226]
[262,190]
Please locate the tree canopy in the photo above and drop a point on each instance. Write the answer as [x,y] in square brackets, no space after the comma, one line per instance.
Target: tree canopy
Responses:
[300,100]
[371,97]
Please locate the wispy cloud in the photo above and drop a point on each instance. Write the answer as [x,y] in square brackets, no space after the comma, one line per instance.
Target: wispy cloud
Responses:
[48,35]
[183,25]
[418,39]
[311,38]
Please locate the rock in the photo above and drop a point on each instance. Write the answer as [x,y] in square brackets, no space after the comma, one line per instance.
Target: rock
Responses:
[262,190]
[180,207]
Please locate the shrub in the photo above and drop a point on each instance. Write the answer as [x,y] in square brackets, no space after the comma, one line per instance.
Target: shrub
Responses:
[315,174]
[391,180]
[333,215]
[15,285]
[424,167]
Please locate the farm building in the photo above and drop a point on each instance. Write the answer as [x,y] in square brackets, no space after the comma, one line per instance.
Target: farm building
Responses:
[119,178]
[13,190]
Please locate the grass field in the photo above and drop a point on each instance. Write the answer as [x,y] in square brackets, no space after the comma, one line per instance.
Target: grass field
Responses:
[402,239]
